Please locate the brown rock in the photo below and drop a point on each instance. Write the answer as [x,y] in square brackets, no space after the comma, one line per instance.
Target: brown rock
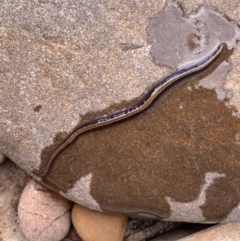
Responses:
[170,161]
[43,214]
[96,226]
[229,232]
[66,63]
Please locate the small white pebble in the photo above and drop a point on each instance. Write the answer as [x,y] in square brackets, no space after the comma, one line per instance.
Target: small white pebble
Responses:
[43,214]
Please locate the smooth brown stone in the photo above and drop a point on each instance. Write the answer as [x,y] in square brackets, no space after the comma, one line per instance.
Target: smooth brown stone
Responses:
[96,226]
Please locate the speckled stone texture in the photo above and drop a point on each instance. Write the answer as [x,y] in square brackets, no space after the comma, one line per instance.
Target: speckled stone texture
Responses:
[12,182]
[66,62]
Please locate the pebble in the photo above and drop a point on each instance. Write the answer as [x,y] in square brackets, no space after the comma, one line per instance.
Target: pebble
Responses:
[43,214]
[96,226]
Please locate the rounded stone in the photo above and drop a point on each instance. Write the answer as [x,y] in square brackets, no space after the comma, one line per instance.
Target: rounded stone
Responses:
[43,214]
[96,226]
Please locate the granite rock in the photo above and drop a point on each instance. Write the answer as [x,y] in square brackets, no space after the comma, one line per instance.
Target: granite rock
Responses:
[67,62]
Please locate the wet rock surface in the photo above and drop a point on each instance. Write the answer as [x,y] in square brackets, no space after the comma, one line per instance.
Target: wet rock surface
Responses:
[68,62]
[193,154]
[196,33]
[137,229]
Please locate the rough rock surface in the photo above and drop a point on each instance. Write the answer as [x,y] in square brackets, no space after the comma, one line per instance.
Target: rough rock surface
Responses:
[12,182]
[66,62]
[43,214]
